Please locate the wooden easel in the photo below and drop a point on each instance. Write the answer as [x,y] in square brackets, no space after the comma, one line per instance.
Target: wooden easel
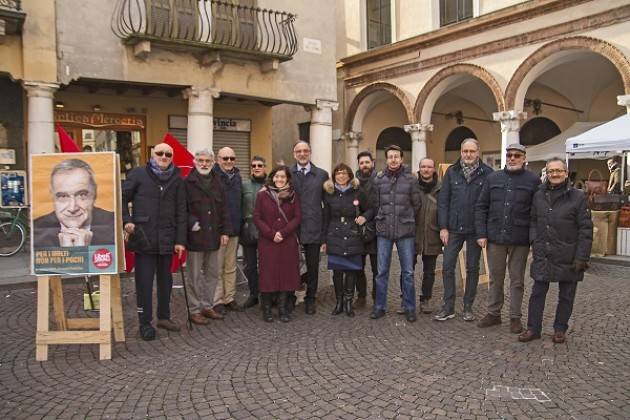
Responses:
[99,329]
[483,278]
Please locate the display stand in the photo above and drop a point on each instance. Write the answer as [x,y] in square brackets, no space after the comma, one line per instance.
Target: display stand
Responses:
[483,278]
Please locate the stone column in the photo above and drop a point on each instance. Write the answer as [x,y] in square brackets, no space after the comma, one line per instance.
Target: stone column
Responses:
[510,126]
[418,133]
[200,124]
[321,133]
[624,100]
[352,139]
[40,125]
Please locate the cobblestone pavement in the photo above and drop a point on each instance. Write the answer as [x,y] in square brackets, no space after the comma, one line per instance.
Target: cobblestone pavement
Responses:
[328,367]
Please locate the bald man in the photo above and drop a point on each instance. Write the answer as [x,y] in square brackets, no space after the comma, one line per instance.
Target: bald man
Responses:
[156,227]
[226,171]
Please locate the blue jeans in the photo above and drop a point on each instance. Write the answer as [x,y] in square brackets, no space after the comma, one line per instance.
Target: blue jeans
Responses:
[406,248]
[451,251]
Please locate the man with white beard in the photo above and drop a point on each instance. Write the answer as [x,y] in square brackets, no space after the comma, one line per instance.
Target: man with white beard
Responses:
[502,223]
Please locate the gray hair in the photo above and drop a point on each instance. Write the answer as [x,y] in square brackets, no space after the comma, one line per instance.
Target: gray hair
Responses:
[72,164]
[469,140]
[555,159]
[257,158]
[302,142]
[204,152]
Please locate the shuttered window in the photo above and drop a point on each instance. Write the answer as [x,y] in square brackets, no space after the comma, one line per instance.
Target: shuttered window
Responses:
[237,140]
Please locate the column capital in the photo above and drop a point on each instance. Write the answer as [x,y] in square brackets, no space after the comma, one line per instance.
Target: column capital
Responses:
[409,128]
[352,136]
[325,103]
[40,89]
[510,120]
[196,91]
[623,100]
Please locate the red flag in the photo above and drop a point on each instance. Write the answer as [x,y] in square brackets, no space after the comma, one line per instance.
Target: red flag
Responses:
[182,158]
[65,141]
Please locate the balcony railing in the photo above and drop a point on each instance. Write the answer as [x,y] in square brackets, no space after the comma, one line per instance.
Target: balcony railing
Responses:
[208,24]
[11,17]
[11,4]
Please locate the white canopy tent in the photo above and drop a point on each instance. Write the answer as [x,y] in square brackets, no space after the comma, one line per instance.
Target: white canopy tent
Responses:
[556,145]
[604,141]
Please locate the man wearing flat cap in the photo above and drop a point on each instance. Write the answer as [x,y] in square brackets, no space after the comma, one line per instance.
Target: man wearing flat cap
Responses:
[502,224]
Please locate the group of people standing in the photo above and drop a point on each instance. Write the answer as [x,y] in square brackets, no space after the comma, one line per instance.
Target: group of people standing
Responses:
[286,218]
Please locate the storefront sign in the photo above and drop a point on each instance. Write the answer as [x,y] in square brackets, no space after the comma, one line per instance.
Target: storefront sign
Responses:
[99,119]
[230,124]
[13,186]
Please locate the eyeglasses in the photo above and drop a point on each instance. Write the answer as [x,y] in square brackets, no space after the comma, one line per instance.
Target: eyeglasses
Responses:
[231,158]
[161,153]
[258,165]
[555,171]
[202,161]
[514,155]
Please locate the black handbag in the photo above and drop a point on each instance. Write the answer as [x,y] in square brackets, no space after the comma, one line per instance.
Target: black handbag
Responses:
[367,231]
[249,233]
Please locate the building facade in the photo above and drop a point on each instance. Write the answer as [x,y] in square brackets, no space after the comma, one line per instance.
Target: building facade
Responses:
[426,74]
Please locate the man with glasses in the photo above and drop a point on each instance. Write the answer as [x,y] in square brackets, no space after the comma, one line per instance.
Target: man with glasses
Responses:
[156,228]
[249,232]
[461,186]
[562,236]
[225,169]
[308,181]
[502,224]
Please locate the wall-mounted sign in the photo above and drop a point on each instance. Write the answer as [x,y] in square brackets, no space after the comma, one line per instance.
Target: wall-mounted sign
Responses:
[13,187]
[313,46]
[99,119]
[230,124]
[7,156]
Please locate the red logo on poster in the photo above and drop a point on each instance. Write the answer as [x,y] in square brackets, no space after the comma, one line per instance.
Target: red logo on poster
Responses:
[102,258]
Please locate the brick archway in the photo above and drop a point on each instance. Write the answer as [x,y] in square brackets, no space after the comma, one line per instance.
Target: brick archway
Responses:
[457,69]
[393,90]
[527,72]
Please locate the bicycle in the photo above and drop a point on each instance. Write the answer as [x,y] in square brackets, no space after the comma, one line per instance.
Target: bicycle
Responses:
[13,231]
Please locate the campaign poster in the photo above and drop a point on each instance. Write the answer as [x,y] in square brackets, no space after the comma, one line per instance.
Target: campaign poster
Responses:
[13,189]
[73,213]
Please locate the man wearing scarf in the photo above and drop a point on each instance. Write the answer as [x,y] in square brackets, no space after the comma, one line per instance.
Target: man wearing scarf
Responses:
[461,186]
[156,227]
[502,223]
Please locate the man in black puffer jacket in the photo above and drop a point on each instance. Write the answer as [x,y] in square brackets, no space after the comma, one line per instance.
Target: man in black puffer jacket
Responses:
[366,174]
[562,233]
[157,228]
[502,222]
[461,186]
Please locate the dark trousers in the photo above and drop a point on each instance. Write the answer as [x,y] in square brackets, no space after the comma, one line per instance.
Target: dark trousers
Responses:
[250,258]
[362,278]
[311,278]
[428,276]
[451,251]
[566,297]
[147,266]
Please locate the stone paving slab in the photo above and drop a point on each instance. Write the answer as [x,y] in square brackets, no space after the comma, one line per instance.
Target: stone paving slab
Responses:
[328,367]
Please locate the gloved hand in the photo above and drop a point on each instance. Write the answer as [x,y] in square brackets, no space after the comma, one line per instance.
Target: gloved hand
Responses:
[580,266]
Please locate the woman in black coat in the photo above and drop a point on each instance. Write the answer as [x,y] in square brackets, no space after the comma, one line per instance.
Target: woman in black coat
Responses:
[345,209]
[562,234]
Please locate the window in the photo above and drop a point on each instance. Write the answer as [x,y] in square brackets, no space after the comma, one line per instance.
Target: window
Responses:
[457,136]
[304,130]
[379,25]
[538,130]
[453,11]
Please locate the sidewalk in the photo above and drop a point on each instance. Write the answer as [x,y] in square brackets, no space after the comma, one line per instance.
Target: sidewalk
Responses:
[16,269]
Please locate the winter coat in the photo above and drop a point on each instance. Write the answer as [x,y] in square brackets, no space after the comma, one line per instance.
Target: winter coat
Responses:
[366,185]
[457,198]
[249,190]
[310,193]
[232,189]
[206,206]
[428,240]
[340,210]
[397,200]
[278,263]
[562,231]
[614,182]
[503,207]
[159,209]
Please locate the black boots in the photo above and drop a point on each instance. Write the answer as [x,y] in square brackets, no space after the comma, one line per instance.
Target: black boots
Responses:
[282,306]
[266,307]
[338,283]
[348,293]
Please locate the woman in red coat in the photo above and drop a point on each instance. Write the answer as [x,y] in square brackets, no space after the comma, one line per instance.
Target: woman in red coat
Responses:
[277,217]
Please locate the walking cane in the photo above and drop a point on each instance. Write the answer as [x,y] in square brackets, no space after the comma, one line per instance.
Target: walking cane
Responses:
[181,271]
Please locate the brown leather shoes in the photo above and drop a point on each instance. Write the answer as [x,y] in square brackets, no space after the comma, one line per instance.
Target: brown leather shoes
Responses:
[559,337]
[211,313]
[233,306]
[168,324]
[198,319]
[489,321]
[528,336]
[515,326]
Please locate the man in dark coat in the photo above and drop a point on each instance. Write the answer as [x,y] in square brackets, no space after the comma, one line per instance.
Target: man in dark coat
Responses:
[562,232]
[157,228]
[461,187]
[502,223]
[230,177]
[308,180]
[207,215]
[366,174]
[75,220]
[249,232]
[397,201]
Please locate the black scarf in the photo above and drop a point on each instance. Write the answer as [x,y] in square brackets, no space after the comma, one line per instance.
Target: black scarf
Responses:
[427,187]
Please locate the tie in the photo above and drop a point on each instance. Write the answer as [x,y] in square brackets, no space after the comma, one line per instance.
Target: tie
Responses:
[303,171]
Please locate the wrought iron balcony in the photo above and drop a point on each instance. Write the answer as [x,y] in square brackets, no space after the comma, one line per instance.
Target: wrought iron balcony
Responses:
[245,31]
[11,17]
